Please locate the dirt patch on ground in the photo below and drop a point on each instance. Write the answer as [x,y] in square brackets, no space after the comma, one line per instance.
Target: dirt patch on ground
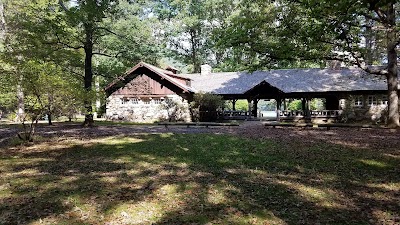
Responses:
[349,137]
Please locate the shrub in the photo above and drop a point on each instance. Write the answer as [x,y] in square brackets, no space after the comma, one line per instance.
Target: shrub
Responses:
[295,105]
[205,106]
[241,105]
[176,111]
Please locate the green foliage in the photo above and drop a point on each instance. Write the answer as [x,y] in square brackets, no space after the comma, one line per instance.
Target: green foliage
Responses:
[315,104]
[241,105]
[295,105]
[186,30]
[84,38]
[207,101]
[205,105]
[257,39]
[277,34]
[130,40]
[269,105]
[7,102]
[189,31]
[175,109]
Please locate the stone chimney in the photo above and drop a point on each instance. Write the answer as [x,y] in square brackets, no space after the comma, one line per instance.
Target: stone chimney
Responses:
[206,69]
[172,69]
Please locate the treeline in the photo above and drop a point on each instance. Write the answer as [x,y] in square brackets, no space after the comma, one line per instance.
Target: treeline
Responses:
[52,50]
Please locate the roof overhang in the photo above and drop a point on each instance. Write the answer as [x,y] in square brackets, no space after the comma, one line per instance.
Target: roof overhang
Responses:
[154,73]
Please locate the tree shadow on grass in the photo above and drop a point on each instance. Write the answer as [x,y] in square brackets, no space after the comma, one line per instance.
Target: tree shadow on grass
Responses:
[183,179]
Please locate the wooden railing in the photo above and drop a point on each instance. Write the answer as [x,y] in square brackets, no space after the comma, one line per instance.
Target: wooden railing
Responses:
[234,114]
[326,113]
[312,113]
[291,113]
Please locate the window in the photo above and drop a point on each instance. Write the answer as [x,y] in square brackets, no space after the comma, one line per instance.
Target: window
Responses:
[358,101]
[146,101]
[384,100]
[157,101]
[124,101]
[342,103]
[168,101]
[135,101]
[372,100]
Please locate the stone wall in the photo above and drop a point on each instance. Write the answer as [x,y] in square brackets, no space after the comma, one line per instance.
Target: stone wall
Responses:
[367,110]
[147,110]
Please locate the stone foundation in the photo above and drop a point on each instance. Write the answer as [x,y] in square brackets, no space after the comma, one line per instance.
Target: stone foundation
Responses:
[147,110]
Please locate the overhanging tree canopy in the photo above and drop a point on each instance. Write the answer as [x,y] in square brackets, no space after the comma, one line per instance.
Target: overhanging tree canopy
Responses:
[275,32]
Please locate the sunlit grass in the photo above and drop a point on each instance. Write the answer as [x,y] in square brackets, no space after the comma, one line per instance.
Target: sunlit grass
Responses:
[196,179]
[374,163]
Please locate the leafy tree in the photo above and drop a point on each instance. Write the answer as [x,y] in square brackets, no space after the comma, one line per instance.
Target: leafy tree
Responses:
[85,37]
[7,95]
[295,105]
[240,105]
[186,30]
[189,30]
[290,32]
[205,106]
[105,28]
[343,25]
[133,39]
[46,89]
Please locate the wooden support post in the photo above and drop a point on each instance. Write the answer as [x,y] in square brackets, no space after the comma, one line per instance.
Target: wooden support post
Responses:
[278,109]
[234,104]
[284,104]
[307,114]
[303,104]
[249,107]
[254,109]
[308,100]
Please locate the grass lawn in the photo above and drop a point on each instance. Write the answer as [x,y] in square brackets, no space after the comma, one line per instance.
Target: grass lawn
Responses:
[197,179]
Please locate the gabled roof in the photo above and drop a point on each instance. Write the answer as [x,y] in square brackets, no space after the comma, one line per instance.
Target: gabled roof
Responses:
[163,75]
[289,81]
[229,83]
[283,80]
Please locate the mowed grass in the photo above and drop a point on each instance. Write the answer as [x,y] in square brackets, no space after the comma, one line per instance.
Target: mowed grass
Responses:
[197,179]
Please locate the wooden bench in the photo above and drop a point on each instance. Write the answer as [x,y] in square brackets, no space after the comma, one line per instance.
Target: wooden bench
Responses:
[328,126]
[274,125]
[188,124]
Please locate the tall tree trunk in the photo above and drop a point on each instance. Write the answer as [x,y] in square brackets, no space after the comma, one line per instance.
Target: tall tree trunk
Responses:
[88,74]
[392,80]
[20,98]
[49,119]
[194,56]
[49,109]
[2,21]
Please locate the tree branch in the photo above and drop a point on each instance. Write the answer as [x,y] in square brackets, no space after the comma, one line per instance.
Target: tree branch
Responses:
[61,3]
[109,31]
[377,19]
[361,64]
[382,16]
[108,55]
[64,44]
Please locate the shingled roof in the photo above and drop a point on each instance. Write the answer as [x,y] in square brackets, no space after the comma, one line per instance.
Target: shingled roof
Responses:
[163,74]
[285,80]
[289,81]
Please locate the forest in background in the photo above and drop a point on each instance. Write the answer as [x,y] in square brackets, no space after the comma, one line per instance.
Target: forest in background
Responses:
[53,51]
